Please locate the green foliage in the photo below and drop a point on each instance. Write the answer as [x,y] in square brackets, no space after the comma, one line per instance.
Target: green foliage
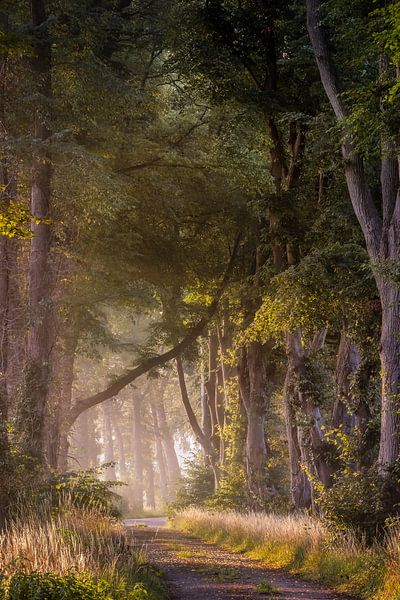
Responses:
[196,486]
[37,586]
[359,499]
[85,490]
[325,287]
[264,587]
[15,221]
[50,586]
[231,493]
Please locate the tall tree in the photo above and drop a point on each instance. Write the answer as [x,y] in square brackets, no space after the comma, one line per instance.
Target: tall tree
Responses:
[380,226]
[35,386]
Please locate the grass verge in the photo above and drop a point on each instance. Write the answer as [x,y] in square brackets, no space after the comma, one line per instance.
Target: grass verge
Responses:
[73,555]
[301,545]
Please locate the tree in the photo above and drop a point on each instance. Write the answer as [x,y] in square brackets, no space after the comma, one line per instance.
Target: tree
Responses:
[379,226]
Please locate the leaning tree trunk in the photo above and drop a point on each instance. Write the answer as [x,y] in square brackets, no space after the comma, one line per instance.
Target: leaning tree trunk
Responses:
[35,385]
[381,229]
[208,448]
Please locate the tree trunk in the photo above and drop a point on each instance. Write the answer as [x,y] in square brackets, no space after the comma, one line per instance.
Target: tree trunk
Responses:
[204,442]
[389,449]
[174,471]
[311,437]
[381,233]
[220,398]
[205,413]
[123,471]
[162,470]
[347,364]
[211,389]
[16,317]
[108,440]
[59,404]
[150,492]
[86,441]
[31,413]
[137,451]
[253,388]
[4,299]
[300,487]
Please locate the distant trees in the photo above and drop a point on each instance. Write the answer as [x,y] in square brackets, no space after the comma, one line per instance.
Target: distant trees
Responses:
[189,216]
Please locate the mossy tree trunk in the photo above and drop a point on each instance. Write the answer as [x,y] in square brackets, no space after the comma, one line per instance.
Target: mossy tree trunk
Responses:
[36,374]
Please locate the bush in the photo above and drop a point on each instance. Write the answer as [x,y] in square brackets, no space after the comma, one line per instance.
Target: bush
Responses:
[48,586]
[35,586]
[231,493]
[359,500]
[196,486]
[83,489]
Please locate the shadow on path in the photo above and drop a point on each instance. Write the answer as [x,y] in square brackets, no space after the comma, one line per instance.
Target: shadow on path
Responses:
[200,571]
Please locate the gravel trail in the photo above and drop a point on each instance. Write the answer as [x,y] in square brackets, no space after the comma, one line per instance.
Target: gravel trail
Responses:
[196,570]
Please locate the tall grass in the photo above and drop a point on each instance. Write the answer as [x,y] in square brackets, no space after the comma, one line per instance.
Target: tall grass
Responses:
[302,545]
[73,542]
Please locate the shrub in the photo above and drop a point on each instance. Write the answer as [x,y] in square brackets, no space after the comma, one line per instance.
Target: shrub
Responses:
[48,586]
[196,486]
[358,500]
[32,586]
[83,489]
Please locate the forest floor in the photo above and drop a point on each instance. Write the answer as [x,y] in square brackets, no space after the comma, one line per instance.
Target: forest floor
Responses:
[196,570]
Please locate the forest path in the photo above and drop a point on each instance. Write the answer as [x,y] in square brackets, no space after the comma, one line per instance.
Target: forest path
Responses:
[196,570]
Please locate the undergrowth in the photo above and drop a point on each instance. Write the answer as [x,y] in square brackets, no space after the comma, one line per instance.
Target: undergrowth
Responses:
[303,546]
[73,554]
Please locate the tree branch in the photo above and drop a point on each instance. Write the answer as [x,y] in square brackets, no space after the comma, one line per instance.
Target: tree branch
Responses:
[360,193]
[160,359]
[203,440]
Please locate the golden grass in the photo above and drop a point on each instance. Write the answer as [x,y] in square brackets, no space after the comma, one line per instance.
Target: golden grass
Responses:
[74,541]
[302,545]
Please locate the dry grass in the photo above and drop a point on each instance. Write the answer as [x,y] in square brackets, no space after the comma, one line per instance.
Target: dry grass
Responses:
[302,545]
[291,529]
[74,541]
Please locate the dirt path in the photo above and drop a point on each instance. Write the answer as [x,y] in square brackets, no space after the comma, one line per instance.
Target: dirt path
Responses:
[201,571]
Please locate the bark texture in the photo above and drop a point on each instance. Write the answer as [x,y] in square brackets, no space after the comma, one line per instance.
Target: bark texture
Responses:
[35,387]
[381,231]
[301,399]
[253,390]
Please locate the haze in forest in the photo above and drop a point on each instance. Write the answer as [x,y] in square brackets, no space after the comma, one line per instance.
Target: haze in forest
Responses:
[199,299]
